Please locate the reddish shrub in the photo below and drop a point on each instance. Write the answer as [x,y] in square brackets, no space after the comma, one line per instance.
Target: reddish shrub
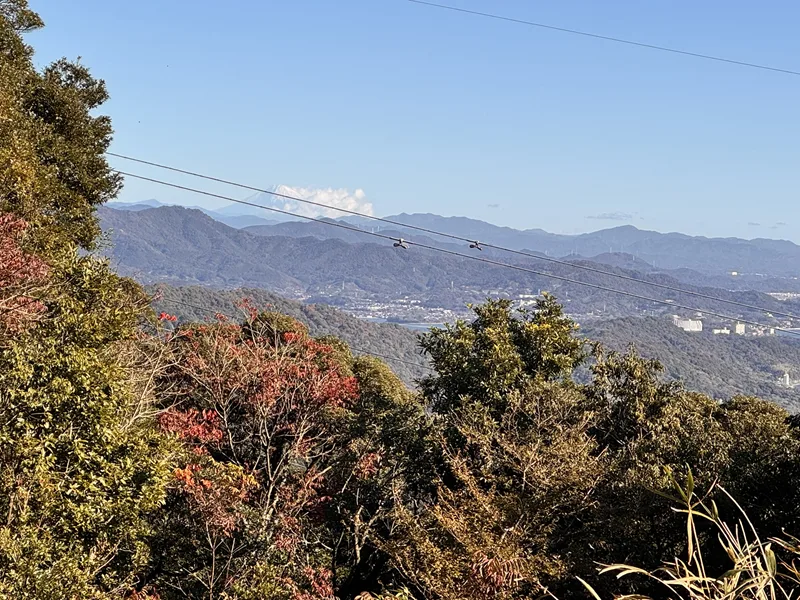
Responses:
[21,275]
[202,427]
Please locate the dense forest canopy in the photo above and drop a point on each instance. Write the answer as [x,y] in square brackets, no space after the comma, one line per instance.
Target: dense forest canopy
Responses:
[396,344]
[721,366]
[245,458]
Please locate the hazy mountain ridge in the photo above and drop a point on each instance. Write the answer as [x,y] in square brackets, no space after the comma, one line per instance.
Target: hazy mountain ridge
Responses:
[756,258]
[185,246]
[667,250]
[622,260]
[235,219]
[752,260]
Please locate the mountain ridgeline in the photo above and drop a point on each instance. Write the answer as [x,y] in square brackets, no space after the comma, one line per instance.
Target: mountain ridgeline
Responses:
[209,262]
[644,249]
[336,266]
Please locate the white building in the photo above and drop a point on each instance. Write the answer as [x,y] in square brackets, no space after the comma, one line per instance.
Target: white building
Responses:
[787,381]
[738,329]
[721,331]
[692,325]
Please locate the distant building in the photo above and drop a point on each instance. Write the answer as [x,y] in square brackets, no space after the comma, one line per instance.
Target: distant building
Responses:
[784,295]
[721,331]
[738,329]
[692,325]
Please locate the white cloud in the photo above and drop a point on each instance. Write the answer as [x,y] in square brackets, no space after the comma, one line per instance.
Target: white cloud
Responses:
[340,198]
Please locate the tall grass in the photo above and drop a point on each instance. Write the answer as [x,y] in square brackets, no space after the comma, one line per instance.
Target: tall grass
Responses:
[756,572]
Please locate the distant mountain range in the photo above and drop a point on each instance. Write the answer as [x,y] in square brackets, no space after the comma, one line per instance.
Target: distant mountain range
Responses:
[337,266]
[228,214]
[650,249]
[325,264]
[752,260]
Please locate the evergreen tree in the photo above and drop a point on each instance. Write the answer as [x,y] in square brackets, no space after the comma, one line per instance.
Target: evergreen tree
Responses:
[80,466]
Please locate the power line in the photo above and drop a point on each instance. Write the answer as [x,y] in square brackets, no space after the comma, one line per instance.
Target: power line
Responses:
[454,253]
[455,237]
[608,38]
[362,351]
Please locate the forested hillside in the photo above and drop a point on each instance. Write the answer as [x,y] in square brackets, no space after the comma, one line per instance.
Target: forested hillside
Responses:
[721,366]
[397,345]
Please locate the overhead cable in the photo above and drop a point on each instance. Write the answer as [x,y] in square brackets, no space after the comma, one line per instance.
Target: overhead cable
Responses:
[473,244]
[607,38]
[406,244]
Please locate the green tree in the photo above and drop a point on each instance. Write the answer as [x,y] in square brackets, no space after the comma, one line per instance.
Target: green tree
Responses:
[79,470]
[53,172]
[498,353]
[648,429]
[389,455]
[81,465]
[542,477]
[517,461]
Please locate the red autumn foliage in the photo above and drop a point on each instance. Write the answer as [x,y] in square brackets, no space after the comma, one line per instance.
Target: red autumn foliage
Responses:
[218,493]
[167,317]
[16,265]
[248,307]
[368,465]
[225,365]
[260,399]
[21,274]
[489,577]
[199,426]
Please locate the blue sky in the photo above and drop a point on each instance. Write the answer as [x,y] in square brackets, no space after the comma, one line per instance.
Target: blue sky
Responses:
[427,110]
